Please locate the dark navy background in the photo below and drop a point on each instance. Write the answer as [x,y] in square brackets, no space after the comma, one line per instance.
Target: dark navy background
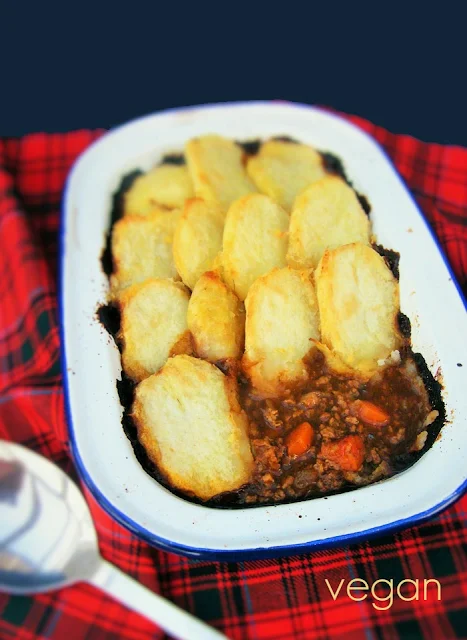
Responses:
[72,65]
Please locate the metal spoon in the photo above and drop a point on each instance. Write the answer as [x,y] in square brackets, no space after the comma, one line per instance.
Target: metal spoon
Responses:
[48,541]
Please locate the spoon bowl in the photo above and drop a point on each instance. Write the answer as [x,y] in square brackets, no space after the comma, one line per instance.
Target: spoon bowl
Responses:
[48,541]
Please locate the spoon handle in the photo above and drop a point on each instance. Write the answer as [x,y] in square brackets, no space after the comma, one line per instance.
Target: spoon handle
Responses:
[133,595]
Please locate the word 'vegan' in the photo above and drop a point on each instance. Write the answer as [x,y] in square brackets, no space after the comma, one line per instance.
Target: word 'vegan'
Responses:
[360,585]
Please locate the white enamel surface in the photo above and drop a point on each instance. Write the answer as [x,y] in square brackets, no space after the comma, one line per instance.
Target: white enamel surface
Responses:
[428,297]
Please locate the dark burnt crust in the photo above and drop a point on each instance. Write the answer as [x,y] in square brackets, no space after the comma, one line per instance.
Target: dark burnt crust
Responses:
[435,395]
[116,213]
[404,326]
[391,258]
[109,317]
[287,139]
[334,166]
[250,147]
[177,159]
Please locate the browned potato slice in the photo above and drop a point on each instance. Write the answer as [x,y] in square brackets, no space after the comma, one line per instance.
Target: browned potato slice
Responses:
[190,423]
[282,324]
[153,325]
[198,239]
[216,319]
[255,241]
[358,301]
[282,169]
[217,265]
[217,170]
[142,248]
[327,214]
[165,186]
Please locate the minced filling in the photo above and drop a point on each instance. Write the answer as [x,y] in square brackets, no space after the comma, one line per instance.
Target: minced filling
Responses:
[333,430]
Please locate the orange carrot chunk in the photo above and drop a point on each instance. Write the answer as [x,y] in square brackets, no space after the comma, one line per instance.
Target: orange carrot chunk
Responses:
[299,439]
[372,414]
[348,453]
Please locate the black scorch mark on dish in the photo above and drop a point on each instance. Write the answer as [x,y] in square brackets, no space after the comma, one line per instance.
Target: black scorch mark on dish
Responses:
[391,258]
[109,317]
[435,395]
[174,158]
[287,139]
[115,214]
[363,200]
[333,165]
[250,147]
[126,391]
[404,325]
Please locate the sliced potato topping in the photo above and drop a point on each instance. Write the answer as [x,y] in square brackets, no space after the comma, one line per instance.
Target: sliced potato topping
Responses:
[358,300]
[326,215]
[166,186]
[142,248]
[255,241]
[282,170]
[216,168]
[198,239]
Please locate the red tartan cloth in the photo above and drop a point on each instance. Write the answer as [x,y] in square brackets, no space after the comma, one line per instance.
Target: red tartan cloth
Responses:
[266,599]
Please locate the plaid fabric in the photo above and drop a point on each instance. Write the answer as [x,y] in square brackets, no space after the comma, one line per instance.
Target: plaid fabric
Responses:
[267,599]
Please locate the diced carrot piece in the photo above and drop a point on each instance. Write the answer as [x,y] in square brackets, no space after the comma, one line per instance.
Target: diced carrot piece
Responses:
[348,453]
[372,414]
[299,439]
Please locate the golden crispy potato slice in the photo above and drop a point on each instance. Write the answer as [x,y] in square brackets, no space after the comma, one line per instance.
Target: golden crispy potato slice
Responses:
[167,186]
[216,319]
[198,239]
[142,248]
[216,168]
[217,265]
[255,241]
[358,300]
[190,423]
[282,323]
[153,325]
[327,214]
[282,169]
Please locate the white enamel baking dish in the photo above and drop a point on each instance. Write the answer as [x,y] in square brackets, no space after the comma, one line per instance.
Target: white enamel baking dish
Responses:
[91,363]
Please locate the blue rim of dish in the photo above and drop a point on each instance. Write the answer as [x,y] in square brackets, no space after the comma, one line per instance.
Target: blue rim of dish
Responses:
[249,553]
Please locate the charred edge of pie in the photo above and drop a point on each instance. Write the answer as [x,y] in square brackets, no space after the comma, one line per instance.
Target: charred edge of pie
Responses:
[177,159]
[115,214]
[109,317]
[404,325]
[131,432]
[364,203]
[391,258]
[250,147]
[434,390]
[333,165]
[287,139]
